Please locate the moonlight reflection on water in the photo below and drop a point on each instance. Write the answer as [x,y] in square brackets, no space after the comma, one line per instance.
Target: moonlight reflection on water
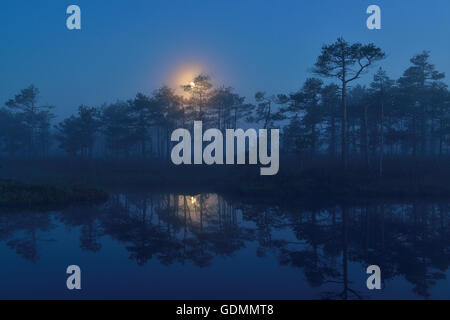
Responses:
[204,246]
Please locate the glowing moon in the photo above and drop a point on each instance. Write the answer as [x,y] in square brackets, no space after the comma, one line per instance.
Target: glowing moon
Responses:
[184,75]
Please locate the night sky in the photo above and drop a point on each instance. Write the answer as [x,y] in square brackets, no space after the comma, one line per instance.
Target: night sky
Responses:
[130,46]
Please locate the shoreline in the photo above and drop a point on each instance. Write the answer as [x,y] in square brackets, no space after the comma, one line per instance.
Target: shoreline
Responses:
[318,182]
[14,194]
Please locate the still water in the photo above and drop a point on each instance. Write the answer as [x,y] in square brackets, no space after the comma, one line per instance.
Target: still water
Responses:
[174,246]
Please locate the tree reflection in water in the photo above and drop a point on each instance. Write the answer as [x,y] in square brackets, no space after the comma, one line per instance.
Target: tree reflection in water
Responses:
[411,240]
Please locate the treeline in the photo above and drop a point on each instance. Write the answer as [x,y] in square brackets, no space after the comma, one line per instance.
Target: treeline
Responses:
[341,119]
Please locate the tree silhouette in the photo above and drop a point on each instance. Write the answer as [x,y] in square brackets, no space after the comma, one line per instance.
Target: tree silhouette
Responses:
[346,62]
[35,117]
[77,134]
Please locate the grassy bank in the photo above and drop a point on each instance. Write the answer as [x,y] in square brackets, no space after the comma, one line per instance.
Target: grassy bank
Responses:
[296,178]
[15,194]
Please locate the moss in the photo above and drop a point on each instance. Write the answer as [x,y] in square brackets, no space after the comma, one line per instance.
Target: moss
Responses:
[319,180]
[17,194]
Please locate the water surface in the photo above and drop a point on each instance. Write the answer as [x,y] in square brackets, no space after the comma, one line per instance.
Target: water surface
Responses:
[202,246]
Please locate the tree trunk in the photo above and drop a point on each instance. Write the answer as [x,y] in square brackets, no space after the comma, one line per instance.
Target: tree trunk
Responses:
[332,146]
[313,139]
[344,145]
[364,138]
[441,140]
[381,140]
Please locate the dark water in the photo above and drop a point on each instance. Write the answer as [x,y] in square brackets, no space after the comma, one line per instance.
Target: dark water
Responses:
[171,246]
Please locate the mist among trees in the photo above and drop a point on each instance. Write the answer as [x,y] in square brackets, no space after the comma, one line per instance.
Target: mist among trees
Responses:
[331,115]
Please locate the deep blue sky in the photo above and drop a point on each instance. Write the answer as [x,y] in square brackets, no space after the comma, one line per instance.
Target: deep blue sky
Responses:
[128,46]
